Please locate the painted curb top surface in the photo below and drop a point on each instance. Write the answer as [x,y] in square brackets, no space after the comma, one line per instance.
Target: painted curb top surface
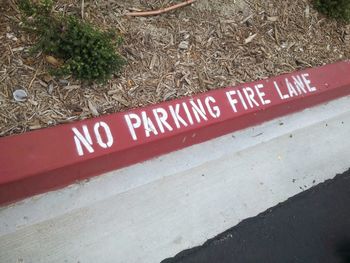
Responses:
[41,160]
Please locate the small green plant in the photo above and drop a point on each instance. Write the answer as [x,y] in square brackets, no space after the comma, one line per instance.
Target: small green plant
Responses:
[87,53]
[339,9]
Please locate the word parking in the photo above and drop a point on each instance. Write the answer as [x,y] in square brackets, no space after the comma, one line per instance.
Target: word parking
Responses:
[174,117]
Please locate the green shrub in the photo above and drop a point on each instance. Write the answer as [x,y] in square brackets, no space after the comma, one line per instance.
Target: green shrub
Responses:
[88,53]
[339,9]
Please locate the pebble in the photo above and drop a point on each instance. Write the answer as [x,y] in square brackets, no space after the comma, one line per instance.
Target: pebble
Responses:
[20,95]
[183,45]
[11,36]
[63,81]
[50,88]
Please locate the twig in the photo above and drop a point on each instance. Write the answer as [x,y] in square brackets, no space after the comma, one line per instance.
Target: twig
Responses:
[31,82]
[162,10]
[14,6]
[82,9]
[14,19]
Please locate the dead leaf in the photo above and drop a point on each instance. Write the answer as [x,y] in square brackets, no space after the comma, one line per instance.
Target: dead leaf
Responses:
[53,61]
[307,11]
[72,87]
[153,62]
[250,39]
[47,78]
[34,125]
[121,100]
[272,18]
[111,92]
[93,109]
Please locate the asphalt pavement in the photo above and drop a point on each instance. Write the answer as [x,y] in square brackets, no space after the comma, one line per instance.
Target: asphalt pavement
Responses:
[311,227]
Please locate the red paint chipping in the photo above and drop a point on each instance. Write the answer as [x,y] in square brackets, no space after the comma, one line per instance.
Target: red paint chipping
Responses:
[47,159]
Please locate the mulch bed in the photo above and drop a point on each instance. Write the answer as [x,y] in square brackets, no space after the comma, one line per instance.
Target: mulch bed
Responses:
[193,49]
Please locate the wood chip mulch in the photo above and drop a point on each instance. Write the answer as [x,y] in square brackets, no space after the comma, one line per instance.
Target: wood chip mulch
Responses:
[190,50]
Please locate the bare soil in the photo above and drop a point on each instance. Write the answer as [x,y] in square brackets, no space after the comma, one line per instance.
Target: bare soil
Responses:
[194,49]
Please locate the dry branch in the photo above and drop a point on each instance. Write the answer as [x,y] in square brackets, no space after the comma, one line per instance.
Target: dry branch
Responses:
[162,10]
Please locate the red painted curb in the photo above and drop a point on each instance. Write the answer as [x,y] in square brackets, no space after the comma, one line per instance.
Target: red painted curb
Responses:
[51,158]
